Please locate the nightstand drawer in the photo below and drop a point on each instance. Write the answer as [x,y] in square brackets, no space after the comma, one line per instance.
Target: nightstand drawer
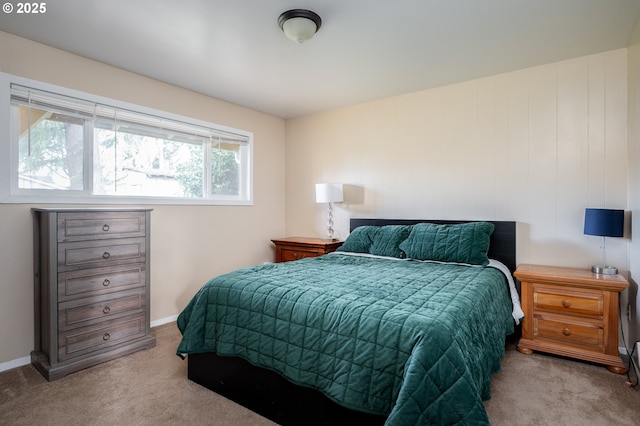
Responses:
[289,255]
[572,302]
[578,334]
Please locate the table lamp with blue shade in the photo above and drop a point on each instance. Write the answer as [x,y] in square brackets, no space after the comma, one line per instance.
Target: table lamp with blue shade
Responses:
[604,223]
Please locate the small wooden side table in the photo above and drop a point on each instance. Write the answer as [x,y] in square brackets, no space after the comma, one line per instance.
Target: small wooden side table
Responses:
[571,312]
[294,248]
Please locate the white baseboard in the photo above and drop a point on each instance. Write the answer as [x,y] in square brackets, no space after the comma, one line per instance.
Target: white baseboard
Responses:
[163,321]
[25,360]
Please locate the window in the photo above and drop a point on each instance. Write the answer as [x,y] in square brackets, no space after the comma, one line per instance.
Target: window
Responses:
[67,146]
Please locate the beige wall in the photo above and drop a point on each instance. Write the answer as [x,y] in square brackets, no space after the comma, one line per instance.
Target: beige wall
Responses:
[188,244]
[536,146]
[634,178]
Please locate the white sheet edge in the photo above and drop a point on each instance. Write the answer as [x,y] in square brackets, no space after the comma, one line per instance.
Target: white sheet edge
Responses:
[517,312]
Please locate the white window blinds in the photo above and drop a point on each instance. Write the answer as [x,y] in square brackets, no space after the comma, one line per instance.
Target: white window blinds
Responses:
[113,118]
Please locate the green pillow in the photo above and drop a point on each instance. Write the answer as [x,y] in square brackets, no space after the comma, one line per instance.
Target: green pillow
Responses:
[377,240]
[360,239]
[462,243]
[388,239]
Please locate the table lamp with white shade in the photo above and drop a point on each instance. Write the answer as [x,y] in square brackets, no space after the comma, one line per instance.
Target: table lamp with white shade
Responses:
[329,193]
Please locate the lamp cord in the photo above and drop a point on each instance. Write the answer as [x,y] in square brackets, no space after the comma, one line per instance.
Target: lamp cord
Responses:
[632,362]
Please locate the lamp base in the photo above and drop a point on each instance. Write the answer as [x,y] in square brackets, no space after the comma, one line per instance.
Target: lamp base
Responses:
[604,270]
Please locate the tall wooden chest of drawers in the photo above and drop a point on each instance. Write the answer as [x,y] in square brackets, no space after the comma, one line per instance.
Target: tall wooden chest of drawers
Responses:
[91,288]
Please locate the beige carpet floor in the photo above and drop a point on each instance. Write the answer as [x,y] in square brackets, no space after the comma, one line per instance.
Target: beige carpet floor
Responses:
[151,388]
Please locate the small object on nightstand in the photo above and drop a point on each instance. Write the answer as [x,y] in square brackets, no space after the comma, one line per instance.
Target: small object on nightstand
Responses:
[295,248]
[571,312]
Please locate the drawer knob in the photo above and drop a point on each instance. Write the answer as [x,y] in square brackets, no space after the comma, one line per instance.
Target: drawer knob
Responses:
[304,255]
[106,310]
[106,282]
[106,336]
[566,331]
[105,227]
[106,255]
[295,255]
[566,303]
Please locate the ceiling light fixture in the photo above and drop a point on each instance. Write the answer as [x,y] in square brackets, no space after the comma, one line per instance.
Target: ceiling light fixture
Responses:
[299,25]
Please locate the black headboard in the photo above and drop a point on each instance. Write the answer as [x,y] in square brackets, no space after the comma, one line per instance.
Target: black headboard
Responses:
[502,245]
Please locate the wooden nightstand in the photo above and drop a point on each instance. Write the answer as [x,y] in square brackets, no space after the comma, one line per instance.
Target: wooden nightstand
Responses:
[295,248]
[571,312]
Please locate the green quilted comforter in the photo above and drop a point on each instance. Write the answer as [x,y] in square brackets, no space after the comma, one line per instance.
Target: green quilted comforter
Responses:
[414,341]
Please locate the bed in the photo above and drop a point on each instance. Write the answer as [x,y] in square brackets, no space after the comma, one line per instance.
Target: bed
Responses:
[404,324]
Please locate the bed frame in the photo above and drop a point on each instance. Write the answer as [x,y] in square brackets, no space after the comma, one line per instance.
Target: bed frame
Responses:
[271,395]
